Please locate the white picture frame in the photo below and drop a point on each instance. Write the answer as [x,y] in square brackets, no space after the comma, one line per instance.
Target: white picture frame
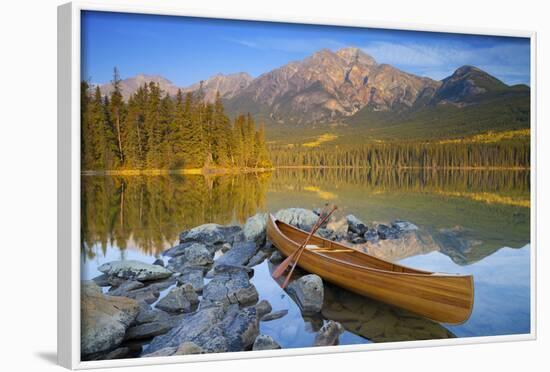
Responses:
[69,185]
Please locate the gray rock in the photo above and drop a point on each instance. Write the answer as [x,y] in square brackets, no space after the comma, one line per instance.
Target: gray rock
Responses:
[274,315]
[386,232]
[356,225]
[148,294]
[301,218]
[262,308]
[255,228]
[257,259]
[325,233]
[159,262]
[104,319]
[196,254]
[358,240]
[329,334]
[118,353]
[264,342]
[210,234]
[225,247]
[148,330]
[189,348]
[134,270]
[102,280]
[230,284]
[148,315]
[276,257]
[177,250]
[371,235]
[308,292]
[179,300]
[192,275]
[404,225]
[125,287]
[167,351]
[239,254]
[216,328]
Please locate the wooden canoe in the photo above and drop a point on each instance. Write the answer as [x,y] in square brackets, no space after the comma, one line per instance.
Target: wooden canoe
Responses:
[445,298]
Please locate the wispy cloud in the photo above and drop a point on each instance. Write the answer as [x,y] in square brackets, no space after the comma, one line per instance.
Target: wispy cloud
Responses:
[288,45]
[509,61]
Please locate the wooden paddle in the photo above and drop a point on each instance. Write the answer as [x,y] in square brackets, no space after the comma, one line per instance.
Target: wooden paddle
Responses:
[279,270]
[302,247]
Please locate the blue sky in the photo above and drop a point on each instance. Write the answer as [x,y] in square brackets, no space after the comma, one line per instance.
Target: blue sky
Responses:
[186,50]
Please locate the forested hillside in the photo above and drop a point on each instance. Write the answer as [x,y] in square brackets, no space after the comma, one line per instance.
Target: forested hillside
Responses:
[152,130]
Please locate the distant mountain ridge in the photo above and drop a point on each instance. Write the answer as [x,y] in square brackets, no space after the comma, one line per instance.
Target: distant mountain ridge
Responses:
[340,86]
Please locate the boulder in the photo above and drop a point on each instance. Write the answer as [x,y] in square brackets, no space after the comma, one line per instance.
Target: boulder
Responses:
[196,254]
[329,334]
[148,330]
[193,275]
[255,228]
[257,259]
[386,232]
[301,218]
[189,348]
[338,227]
[274,315]
[214,328]
[262,308]
[371,235]
[264,342]
[404,226]
[159,262]
[125,287]
[102,280]
[308,293]
[104,319]
[177,250]
[148,315]
[230,284]
[276,257]
[134,270]
[356,225]
[210,234]
[325,233]
[167,351]
[239,254]
[179,300]
[147,295]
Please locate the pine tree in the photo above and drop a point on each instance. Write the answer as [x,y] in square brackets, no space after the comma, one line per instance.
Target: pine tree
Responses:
[153,127]
[260,150]
[116,110]
[219,133]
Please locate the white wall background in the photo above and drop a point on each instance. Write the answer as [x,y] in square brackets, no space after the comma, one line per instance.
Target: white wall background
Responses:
[28,182]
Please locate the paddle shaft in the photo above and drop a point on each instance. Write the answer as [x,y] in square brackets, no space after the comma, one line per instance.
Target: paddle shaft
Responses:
[302,247]
[279,270]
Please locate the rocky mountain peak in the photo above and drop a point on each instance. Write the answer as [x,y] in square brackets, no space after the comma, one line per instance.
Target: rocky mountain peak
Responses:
[355,55]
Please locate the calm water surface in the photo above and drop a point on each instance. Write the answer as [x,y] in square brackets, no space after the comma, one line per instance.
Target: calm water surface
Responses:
[472,222]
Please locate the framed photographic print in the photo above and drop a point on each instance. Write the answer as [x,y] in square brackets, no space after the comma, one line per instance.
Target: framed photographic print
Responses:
[235,187]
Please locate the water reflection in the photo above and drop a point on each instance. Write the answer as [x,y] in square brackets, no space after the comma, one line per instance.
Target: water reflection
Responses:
[377,321]
[465,220]
[148,212]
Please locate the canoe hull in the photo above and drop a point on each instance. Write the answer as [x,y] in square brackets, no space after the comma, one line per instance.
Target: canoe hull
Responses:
[440,297]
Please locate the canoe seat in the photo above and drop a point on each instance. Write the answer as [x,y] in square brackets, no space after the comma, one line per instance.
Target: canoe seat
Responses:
[316,248]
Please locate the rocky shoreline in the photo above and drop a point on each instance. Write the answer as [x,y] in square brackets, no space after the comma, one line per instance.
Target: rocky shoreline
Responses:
[198,298]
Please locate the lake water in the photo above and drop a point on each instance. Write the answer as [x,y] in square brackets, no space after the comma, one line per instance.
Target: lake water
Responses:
[477,222]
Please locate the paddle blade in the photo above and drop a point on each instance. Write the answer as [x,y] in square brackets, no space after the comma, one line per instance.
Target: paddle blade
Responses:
[279,270]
